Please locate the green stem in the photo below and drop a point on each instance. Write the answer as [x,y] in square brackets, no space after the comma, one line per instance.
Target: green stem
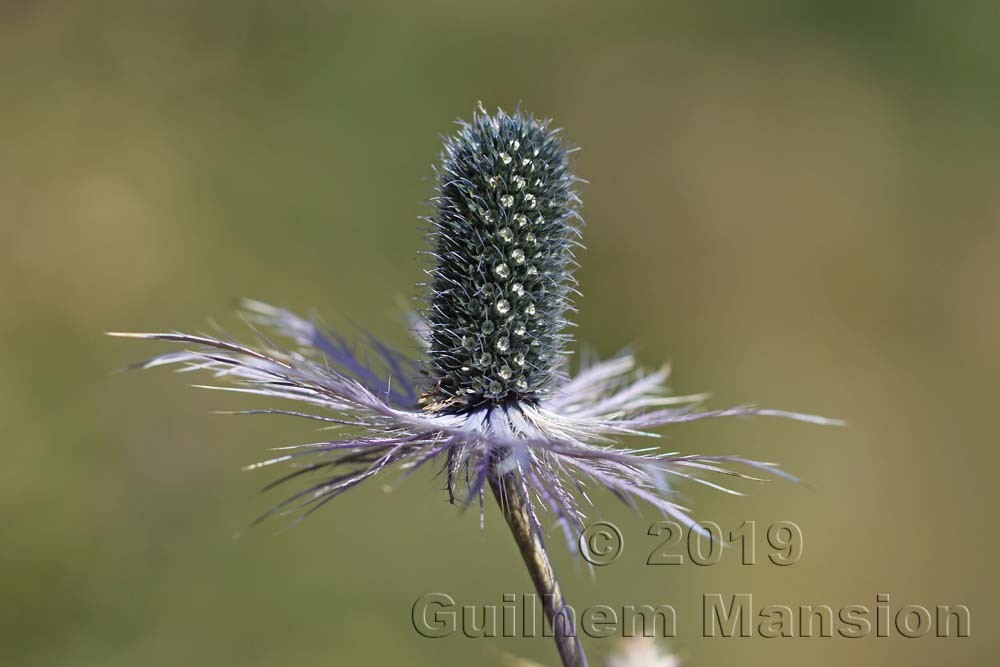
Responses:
[510,496]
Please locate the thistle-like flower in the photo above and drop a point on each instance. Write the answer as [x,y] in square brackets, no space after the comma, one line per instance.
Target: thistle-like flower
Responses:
[630,652]
[641,652]
[493,400]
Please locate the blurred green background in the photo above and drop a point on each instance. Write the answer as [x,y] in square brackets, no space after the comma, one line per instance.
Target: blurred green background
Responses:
[795,202]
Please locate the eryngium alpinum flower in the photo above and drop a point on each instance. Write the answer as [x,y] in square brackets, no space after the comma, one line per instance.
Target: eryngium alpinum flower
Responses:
[492,396]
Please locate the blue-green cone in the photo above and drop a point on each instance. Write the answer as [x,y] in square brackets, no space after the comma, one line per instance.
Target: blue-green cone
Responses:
[502,238]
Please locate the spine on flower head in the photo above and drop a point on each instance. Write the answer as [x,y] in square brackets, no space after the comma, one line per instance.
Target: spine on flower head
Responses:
[502,239]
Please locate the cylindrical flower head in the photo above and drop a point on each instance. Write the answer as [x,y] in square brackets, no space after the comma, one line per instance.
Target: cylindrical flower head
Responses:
[502,239]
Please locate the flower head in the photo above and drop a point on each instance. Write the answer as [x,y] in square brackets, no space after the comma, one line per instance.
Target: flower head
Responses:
[492,397]
[502,239]
[641,652]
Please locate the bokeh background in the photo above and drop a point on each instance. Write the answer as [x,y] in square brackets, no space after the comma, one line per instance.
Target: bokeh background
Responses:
[795,202]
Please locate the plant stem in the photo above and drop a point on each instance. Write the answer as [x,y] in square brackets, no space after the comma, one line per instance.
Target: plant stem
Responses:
[510,496]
